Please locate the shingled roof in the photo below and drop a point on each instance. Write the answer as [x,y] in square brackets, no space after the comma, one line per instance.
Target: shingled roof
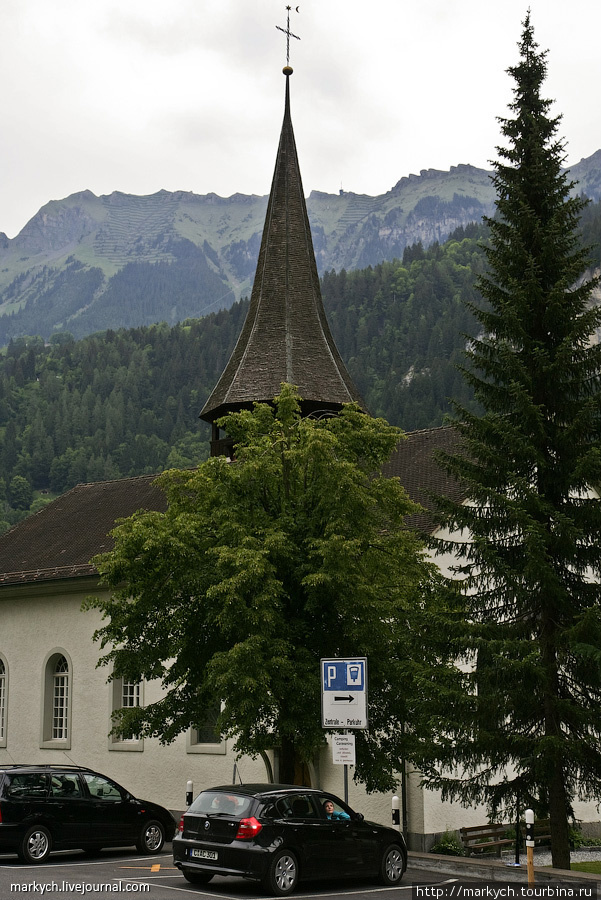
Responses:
[414,463]
[286,337]
[59,541]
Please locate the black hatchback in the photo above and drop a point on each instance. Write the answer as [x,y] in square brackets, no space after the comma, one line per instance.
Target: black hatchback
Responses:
[67,807]
[280,834]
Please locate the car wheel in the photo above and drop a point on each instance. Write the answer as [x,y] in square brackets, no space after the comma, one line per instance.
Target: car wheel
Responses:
[196,877]
[36,845]
[282,875]
[392,865]
[152,837]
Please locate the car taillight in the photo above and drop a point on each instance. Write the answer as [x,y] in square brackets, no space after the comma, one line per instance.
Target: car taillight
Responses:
[247,829]
[180,827]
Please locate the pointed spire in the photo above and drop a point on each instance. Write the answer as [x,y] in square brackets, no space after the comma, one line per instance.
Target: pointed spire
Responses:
[286,337]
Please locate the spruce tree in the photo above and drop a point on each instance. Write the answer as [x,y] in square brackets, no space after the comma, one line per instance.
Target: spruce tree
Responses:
[529,708]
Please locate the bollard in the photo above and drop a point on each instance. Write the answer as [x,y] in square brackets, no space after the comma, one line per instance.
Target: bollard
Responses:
[189,793]
[396,815]
[529,816]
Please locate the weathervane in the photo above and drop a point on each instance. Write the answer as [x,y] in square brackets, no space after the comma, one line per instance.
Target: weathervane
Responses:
[288,34]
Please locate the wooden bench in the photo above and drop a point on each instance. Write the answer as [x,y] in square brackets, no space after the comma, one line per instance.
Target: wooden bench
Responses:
[485,837]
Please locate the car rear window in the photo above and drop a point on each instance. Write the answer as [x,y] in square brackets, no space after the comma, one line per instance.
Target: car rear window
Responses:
[222,803]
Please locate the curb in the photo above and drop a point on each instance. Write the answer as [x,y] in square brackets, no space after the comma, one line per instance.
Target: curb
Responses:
[497,870]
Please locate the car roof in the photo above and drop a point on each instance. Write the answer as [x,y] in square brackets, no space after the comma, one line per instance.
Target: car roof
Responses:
[262,790]
[50,767]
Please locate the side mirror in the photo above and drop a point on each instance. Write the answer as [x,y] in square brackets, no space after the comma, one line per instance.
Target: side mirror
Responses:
[358,817]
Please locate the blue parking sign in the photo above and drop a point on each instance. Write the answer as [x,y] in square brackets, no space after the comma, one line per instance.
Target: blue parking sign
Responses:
[344,693]
[343,674]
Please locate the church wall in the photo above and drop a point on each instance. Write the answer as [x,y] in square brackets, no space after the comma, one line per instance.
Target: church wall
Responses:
[36,623]
[33,627]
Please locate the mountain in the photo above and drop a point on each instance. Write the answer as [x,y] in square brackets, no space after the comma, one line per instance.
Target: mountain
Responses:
[87,263]
[126,402]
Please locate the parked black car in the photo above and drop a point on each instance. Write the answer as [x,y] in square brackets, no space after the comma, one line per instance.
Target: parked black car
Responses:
[280,834]
[44,808]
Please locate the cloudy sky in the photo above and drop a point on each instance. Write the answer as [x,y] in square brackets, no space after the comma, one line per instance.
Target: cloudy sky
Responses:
[139,95]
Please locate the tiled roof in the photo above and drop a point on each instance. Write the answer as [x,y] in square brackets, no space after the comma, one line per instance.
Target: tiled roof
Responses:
[414,463]
[286,337]
[61,539]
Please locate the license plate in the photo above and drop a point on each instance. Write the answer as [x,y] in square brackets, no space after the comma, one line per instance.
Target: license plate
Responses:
[203,854]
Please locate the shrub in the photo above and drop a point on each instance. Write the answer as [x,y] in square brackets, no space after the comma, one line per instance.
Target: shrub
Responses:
[448,845]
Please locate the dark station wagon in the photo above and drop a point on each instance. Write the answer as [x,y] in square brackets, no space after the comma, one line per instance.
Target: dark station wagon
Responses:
[45,808]
[281,834]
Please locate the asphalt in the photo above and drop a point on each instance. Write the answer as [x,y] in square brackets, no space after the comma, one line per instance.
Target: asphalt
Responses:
[494,869]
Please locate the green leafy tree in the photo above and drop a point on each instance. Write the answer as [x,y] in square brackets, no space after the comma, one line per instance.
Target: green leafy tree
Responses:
[259,567]
[21,493]
[527,720]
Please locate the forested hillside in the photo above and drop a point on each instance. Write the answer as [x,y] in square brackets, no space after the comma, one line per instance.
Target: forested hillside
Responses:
[126,402]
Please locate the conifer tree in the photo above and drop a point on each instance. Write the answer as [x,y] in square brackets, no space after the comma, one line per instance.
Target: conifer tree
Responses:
[530,706]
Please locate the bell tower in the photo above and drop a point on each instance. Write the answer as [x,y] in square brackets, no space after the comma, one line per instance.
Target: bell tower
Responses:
[285,337]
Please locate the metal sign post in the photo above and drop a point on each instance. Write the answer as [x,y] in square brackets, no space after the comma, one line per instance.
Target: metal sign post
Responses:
[343,753]
[344,704]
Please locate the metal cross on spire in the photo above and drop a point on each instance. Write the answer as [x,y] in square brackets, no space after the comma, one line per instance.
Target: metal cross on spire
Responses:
[288,34]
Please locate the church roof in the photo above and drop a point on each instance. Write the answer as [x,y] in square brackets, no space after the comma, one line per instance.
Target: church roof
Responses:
[414,463]
[60,540]
[286,337]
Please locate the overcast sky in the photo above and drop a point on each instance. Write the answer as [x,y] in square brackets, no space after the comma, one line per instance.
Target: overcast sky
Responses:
[139,95]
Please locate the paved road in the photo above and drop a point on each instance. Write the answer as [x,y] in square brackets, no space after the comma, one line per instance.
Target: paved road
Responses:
[68,876]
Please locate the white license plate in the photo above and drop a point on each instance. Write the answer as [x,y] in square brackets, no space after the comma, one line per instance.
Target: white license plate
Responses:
[203,854]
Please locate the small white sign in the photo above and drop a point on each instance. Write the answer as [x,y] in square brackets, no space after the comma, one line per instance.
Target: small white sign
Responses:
[343,749]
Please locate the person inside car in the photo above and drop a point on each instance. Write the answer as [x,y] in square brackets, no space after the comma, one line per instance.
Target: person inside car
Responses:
[333,813]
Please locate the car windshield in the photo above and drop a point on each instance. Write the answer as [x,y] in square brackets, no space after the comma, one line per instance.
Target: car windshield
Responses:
[221,803]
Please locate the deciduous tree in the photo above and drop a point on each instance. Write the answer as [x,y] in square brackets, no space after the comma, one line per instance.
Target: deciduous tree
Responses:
[294,551]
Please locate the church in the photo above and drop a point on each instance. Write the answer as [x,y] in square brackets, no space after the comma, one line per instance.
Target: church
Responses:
[55,704]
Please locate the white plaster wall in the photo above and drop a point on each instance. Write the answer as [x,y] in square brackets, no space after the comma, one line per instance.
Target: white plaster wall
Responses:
[32,627]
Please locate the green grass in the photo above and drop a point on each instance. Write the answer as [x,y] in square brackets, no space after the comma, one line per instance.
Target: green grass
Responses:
[593,867]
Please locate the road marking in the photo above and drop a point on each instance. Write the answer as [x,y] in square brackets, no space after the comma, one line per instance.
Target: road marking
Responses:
[155,868]
[54,862]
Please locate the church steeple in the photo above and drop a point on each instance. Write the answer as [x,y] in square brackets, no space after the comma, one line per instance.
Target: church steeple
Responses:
[286,337]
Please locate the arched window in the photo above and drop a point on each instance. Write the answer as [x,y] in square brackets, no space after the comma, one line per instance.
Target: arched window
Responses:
[3,702]
[60,700]
[57,687]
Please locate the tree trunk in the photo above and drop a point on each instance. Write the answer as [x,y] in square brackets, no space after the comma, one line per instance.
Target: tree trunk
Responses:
[287,761]
[292,769]
[558,816]
[558,801]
